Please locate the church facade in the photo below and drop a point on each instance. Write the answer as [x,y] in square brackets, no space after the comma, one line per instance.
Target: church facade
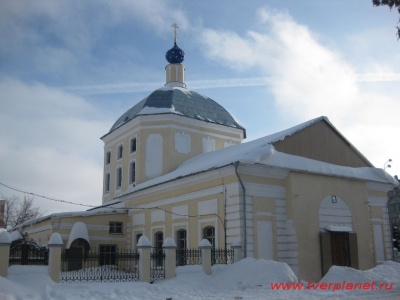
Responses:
[175,166]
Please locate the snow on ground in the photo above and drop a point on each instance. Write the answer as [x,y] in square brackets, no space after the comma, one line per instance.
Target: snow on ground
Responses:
[246,279]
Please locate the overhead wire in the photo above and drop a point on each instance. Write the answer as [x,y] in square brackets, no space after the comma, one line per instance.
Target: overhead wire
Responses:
[109,207]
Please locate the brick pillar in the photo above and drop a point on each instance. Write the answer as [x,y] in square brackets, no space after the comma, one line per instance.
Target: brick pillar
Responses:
[5,243]
[205,247]
[55,244]
[144,247]
[237,252]
[170,258]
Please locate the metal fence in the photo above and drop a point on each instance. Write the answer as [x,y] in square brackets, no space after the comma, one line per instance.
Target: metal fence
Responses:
[188,257]
[193,256]
[157,264]
[27,252]
[222,256]
[96,266]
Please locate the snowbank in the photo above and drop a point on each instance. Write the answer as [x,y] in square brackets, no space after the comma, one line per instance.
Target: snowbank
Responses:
[246,279]
[389,272]
[253,273]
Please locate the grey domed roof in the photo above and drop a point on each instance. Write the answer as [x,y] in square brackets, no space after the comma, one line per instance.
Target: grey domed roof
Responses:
[180,101]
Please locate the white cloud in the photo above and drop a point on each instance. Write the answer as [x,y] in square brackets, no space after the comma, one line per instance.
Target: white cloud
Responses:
[50,145]
[309,79]
[158,15]
[63,37]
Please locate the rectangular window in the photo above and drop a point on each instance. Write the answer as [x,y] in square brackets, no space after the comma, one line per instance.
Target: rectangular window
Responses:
[119,178]
[120,151]
[107,183]
[116,228]
[108,158]
[133,145]
[132,172]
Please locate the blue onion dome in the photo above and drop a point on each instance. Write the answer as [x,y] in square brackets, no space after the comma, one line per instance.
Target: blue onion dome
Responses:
[175,55]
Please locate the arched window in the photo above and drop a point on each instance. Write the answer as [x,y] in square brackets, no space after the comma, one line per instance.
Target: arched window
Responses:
[181,239]
[138,237]
[209,234]
[158,239]
[158,253]
[132,173]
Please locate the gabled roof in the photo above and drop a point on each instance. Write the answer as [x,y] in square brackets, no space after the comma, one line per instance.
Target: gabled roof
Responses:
[180,101]
[282,135]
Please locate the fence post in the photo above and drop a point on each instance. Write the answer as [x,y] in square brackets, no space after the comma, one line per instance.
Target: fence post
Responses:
[170,258]
[237,252]
[5,243]
[144,247]
[205,247]
[55,244]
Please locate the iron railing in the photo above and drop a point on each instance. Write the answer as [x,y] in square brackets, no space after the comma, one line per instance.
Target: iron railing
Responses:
[188,257]
[28,252]
[193,256]
[95,266]
[157,264]
[221,256]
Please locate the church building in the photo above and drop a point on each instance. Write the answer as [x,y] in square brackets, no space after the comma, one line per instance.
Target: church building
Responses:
[175,165]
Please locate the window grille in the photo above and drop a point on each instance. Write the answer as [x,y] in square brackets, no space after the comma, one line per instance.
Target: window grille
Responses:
[116,227]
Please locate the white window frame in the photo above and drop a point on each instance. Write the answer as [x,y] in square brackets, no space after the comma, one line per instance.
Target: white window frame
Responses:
[107,182]
[120,151]
[130,145]
[117,173]
[130,172]
[108,158]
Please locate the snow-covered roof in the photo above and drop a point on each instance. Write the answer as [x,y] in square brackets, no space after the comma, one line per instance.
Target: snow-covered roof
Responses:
[339,228]
[79,231]
[15,235]
[72,214]
[261,151]
[4,237]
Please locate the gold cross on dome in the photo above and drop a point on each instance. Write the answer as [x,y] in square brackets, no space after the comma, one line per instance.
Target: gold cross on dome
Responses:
[175,27]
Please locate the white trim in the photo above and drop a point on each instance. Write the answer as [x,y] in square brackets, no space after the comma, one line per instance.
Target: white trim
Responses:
[120,166]
[381,187]
[105,192]
[265,190]
[263,171]
[180,198]
[153,230]
[105,158]
[186,225]
[176,184]
[134,137]
[186,121]
[117,158]
[338,228]
[377,201]
[216,229]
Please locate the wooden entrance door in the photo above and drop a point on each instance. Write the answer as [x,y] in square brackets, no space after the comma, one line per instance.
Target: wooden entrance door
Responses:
[340,249]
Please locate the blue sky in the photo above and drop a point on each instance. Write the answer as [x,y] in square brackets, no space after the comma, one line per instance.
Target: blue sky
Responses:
[69,69]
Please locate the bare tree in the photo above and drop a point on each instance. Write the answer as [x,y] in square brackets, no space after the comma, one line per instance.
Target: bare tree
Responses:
[391,4]
[19,211]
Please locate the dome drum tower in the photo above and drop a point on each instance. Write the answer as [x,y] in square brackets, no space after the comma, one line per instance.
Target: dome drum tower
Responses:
[163,130]
[175,70]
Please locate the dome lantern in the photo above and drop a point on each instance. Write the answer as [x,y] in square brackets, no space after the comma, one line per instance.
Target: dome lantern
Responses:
[175,71]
